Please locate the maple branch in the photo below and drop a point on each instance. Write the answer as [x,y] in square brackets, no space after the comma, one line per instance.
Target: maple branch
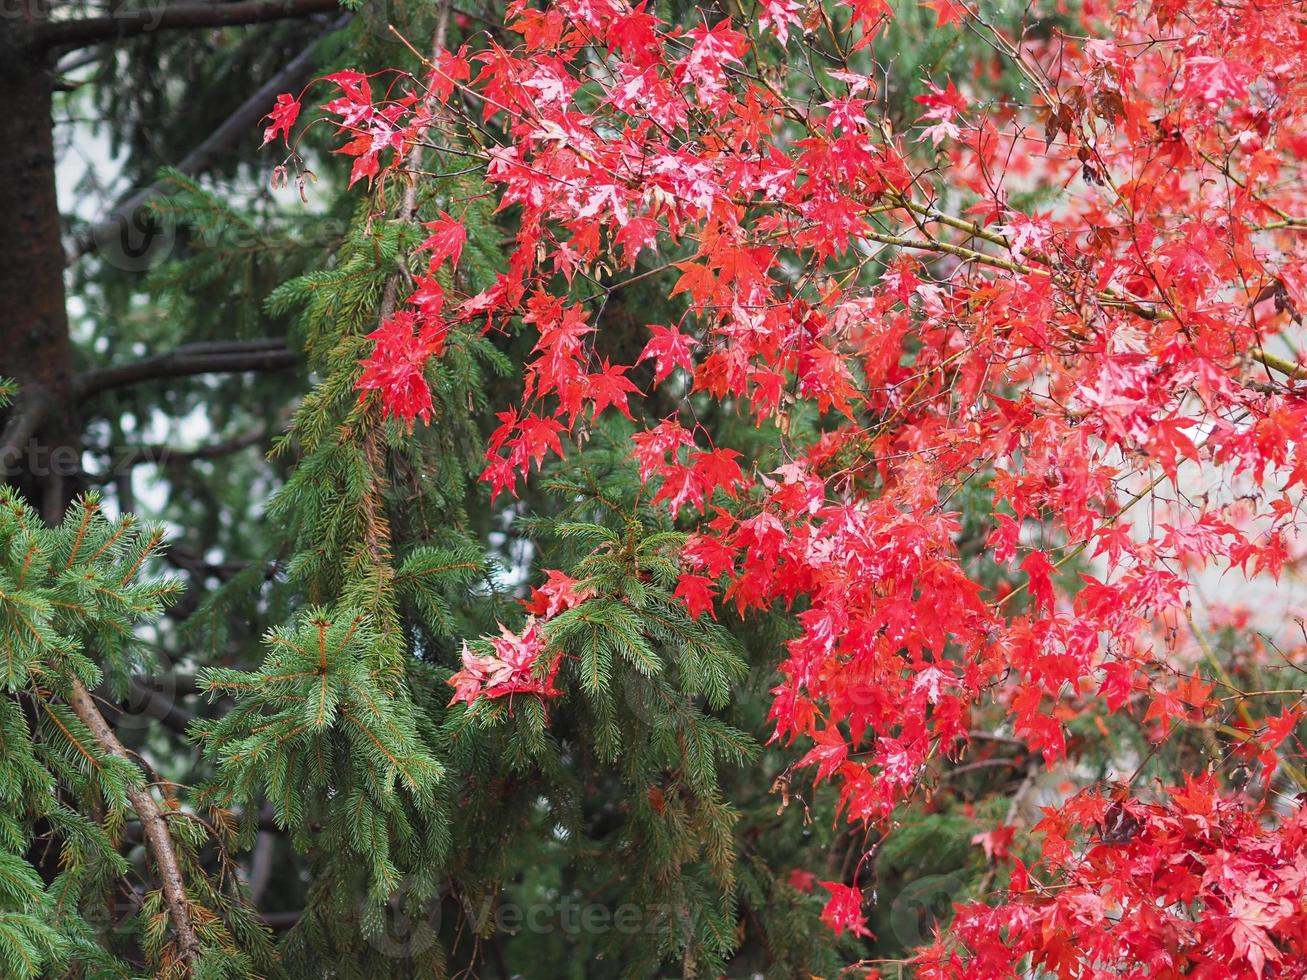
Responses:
[188,16]
[1109,296]
[967,254]
[1287,367]
[1001,763]
[203,358]
[408,209]
[961,224]
[1286,219]
[235,127]
[1245,715]
[155,828]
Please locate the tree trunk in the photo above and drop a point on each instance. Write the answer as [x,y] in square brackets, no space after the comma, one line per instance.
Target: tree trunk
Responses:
[41,443]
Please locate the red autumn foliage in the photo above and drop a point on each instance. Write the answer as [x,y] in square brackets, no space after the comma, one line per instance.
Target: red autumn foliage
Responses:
[1084,359]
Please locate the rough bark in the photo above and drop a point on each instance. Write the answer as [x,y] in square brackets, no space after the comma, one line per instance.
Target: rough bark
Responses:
[33,319]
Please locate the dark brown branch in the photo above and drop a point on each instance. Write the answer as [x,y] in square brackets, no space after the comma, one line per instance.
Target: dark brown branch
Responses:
[191,359]
[190,560]
[163,707]
[126,457]
[179,683]
[184,16]
[984,764]
[977,734]
[27,413]
[240,124]
[155,827]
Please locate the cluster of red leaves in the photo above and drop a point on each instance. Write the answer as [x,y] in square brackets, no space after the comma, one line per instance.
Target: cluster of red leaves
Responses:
[1195,887]
[1076,360]
[516,666]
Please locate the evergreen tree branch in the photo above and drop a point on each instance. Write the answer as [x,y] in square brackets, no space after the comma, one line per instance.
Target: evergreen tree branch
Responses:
[377,536]
[190,359]
[163,454]
[185,16]
[157,837]
[191,560]
[31,408]
[238,125]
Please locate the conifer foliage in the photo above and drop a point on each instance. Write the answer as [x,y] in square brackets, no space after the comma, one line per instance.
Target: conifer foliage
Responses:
[72,600]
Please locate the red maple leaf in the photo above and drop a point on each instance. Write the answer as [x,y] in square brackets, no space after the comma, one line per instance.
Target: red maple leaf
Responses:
[844,909]
[829,753]
[946,11]
[397,366]
[698,592]
[283,116]
[670,349]
[610,386]
[560,592]
[446,240]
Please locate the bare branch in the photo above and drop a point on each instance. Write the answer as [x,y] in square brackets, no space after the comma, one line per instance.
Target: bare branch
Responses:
[126,457]
[193,561]
[146,700]
[155,828]
[191,359]
[240,123]
[28,412]
[185,16]
[261,861]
